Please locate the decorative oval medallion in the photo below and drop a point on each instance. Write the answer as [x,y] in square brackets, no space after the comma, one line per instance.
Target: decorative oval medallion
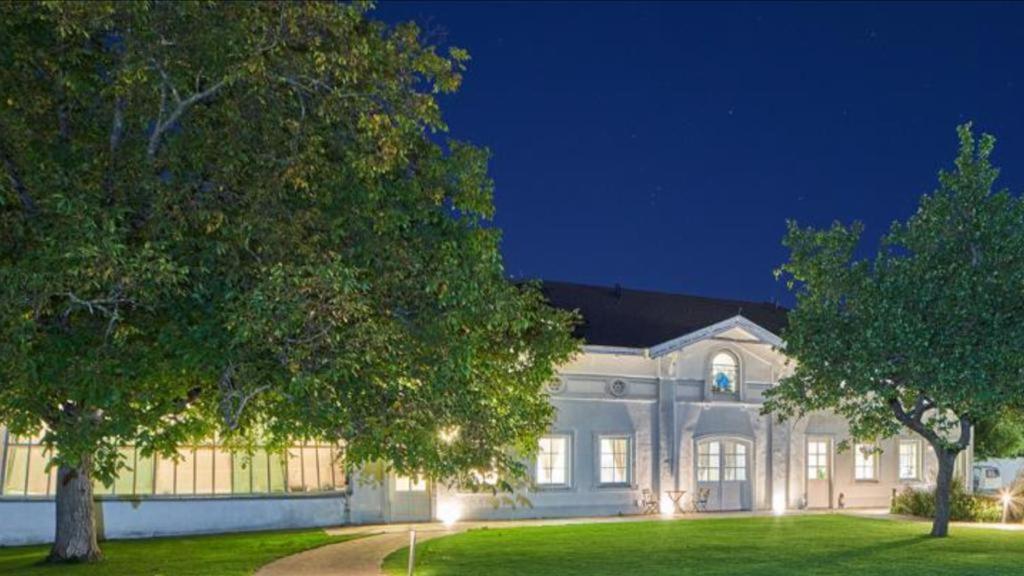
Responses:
[617,388]
[555,386]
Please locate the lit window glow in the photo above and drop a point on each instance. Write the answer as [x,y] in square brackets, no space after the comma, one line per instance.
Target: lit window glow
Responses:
[865,462]
[615,460]
[910,460]
[724,372]
[552,461]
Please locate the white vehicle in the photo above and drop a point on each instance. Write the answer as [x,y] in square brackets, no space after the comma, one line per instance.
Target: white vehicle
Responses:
[987,478]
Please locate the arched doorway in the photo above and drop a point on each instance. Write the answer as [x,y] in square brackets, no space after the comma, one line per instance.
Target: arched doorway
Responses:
[724,471]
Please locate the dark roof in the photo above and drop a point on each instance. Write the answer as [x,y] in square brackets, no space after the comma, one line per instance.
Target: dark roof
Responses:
[616,316]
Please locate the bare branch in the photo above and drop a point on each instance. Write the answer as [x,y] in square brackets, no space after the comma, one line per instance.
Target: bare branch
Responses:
[233,400]
[181,106]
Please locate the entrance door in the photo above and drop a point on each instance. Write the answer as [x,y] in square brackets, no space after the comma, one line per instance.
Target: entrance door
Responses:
[410,499]
[819,473]
[723,469]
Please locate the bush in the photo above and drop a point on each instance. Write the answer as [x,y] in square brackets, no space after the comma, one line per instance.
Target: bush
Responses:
[964,507]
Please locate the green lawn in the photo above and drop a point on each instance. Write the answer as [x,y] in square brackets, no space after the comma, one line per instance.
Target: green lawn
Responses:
[793,545]
[221,555]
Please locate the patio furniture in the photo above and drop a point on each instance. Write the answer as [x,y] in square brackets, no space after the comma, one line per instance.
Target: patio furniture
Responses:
[700,503]
[648,502]
[676,496]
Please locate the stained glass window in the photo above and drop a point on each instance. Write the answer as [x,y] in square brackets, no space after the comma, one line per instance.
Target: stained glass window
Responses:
[724,372]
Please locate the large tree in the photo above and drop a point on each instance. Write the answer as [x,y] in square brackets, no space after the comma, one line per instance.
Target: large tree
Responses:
[929,333]
[238,219]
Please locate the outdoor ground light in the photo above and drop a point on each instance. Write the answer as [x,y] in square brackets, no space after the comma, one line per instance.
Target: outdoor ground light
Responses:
[666,506]
[778,504]
[1007,499]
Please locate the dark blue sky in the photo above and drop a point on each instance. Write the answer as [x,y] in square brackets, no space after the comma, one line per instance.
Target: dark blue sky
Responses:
[664,145]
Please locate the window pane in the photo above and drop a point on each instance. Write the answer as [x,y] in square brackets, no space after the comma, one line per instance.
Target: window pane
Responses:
[295,470]
[14,473]
[260,472]
[165,475]
[324,467]
[338,462]
[552,460]
[614,466]
[125,481]
[143,474]
[185,473]
[242,472]
[204,471]
[223,475]
[277,472]
[309,469]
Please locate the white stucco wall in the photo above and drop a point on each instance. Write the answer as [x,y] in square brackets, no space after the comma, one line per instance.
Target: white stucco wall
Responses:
[32,521]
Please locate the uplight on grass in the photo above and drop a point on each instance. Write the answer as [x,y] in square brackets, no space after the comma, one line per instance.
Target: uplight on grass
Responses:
[449,512]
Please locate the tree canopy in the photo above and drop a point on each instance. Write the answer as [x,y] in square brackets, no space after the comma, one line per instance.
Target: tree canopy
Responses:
[925,335]
[242,219]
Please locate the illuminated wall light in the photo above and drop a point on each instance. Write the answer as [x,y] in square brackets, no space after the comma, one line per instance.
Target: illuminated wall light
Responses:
[779,504]
[449,512]
[667,506]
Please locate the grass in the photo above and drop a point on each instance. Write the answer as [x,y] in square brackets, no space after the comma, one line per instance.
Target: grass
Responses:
[220,555]
[791,546]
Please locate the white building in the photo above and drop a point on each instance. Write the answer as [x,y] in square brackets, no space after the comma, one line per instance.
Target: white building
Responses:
[663,403]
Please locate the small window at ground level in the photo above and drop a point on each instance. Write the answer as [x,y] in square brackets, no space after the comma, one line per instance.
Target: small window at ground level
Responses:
[865,462]
[615,464]
[553,461]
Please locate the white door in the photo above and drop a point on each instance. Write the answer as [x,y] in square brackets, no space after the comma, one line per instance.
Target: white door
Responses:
[410,499]
[723,470]
[819,473]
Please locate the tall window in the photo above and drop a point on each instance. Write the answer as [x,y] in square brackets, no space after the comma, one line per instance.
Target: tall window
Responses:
[615,463]
[735,461]
[202,469]
[407,484]
[865,462]
[910,460]
[724,372]
[709,461]
[817,460]
[553,461]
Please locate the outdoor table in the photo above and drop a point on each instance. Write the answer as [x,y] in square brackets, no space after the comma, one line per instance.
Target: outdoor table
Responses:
[676,496]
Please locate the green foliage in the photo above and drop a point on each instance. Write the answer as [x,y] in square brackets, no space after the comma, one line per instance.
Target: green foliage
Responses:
[1000,437]
[964,506]
[236,218]
[927,334]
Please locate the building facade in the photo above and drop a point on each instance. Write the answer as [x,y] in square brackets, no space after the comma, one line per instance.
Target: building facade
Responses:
[664,402]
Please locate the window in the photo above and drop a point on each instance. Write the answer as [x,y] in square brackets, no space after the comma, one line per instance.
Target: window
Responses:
[709,458]
[865,462]
[724,373]
[615,460]
[735,462]
[407,484]
[204,469]
[910,460]
[817,459]
[553,461]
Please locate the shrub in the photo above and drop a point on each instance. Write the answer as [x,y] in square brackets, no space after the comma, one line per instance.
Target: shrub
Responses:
[964,507]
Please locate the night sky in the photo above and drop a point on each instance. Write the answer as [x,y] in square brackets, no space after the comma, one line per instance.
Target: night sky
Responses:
[663,145]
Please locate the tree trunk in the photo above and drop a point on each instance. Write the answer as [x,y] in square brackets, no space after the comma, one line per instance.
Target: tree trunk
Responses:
[75,540]
[943,486]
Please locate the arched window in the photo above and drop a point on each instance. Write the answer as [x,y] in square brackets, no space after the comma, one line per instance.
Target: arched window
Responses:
[725,371]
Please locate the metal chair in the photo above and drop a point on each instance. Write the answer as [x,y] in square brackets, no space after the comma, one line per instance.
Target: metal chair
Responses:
[648,503]
[700,503]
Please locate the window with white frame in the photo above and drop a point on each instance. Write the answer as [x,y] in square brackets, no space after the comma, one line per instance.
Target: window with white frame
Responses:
[910,459]
[735,468]
[615,460]
[553,461]
[709,461]
[725,370]
[410,484]
[206,468]
[817,459]
[865,462]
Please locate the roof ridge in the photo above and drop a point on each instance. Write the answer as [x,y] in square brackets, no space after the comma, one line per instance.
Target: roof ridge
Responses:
[664,293]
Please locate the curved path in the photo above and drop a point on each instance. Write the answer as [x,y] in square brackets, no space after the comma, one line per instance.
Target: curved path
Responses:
[359,557]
